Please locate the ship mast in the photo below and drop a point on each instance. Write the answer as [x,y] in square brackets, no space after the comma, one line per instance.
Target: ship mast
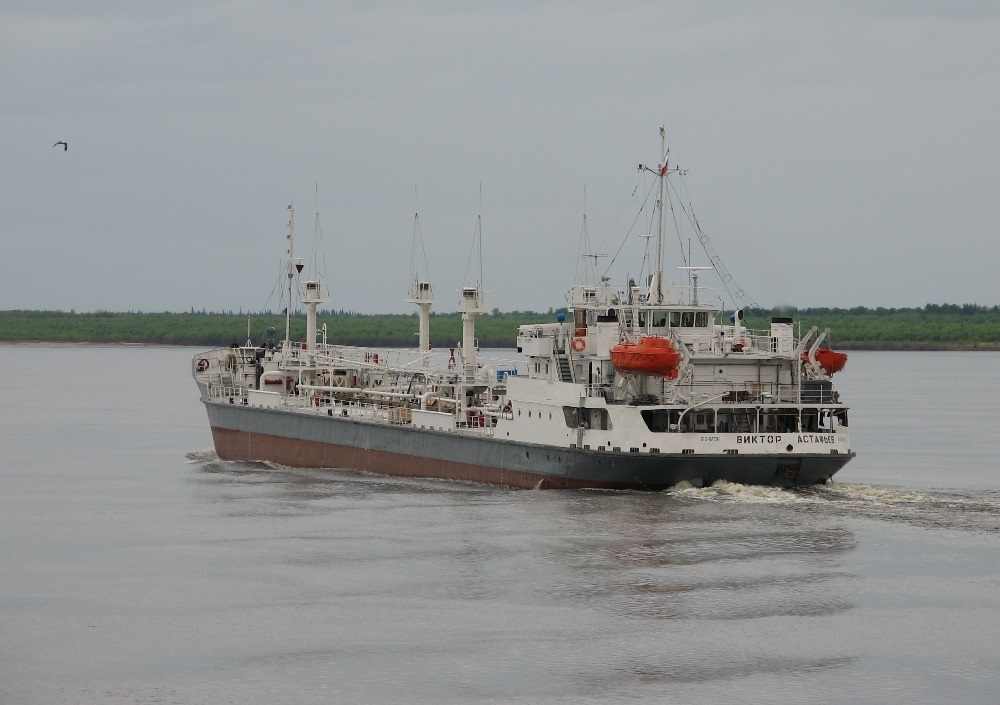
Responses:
[656,294]
[472,302]
[291,276]
[472,305]
[659,207]
[420,292]
[316,290]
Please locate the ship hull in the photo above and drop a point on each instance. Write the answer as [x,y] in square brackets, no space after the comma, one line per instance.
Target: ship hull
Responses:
[244,433]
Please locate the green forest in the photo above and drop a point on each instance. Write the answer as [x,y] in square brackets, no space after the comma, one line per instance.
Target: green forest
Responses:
[933,327]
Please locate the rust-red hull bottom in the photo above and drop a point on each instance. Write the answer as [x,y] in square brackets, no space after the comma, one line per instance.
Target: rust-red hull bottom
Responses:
[246,446]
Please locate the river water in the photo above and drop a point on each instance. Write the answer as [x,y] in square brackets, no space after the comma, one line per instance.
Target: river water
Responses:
[137,568]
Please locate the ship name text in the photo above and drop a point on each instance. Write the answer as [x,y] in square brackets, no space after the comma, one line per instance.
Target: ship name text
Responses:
[749,439]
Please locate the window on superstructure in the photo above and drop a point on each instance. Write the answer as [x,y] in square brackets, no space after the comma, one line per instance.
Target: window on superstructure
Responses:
[675,319]
[659,420]
[659,319]
[823,420]
[593,419]
[780,420]
[598,419]
[701,319]
[736,420]
[687,319]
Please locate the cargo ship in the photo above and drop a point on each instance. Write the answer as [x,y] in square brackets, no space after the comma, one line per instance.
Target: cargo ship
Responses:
[646,387]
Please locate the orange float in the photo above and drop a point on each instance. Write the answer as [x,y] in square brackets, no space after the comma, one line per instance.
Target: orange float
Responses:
[652,355]
[830,360]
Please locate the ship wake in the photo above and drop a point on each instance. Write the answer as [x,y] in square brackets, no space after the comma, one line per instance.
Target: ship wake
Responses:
[929,508]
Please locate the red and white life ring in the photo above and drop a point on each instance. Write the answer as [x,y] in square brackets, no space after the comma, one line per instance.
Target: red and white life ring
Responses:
[579,344]
[202,365]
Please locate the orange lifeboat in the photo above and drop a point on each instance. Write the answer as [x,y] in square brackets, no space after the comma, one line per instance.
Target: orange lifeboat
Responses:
[830,360]
[650,356]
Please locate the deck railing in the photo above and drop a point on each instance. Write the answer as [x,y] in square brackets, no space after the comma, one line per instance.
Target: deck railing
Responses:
[721,393]
[357,410]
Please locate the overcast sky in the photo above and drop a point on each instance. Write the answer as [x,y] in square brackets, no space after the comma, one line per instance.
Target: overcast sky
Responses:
[839,153]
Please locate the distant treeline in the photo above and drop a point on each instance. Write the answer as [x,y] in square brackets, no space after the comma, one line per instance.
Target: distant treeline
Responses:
[209,329]
[933,327]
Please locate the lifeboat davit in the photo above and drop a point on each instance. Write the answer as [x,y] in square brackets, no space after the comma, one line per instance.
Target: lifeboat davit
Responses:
[650,356]
[830,360]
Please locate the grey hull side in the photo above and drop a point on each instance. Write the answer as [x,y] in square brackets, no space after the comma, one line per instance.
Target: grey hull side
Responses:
[306,440]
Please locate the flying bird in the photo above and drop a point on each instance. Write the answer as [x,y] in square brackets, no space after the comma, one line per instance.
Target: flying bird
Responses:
[60,142]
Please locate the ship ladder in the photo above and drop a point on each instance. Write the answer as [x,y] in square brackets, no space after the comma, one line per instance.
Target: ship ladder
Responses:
[564,367]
